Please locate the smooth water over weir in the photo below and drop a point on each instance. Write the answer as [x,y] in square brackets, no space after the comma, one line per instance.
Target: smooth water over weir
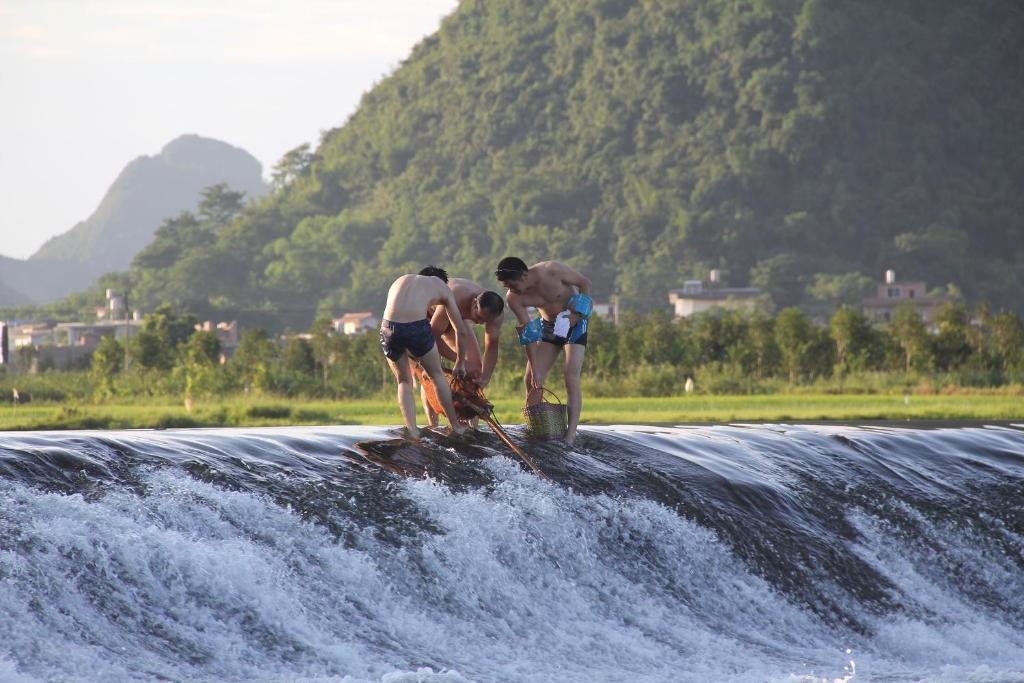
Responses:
[739,553]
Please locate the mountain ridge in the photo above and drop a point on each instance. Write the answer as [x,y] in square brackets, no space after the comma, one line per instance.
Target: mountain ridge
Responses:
[149,189]
[799,146]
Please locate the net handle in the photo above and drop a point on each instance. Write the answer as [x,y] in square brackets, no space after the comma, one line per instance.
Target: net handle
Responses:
[541,389]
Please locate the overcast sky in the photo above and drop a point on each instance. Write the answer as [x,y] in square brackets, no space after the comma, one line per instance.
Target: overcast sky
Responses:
[87,86]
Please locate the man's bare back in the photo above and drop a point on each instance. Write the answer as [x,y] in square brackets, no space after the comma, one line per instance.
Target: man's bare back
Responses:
[405,331]
[412,296]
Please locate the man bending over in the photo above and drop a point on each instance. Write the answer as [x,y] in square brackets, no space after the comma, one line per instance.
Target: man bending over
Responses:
[405,332]
[562,296]
[478,306]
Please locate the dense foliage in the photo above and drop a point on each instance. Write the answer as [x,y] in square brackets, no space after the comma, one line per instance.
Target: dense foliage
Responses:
[798,145]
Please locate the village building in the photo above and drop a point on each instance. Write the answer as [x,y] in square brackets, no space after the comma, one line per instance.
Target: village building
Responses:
[90,334]
[356,323]
[31,334]
[609,311]
[227,335]
[697,296]
[891,294]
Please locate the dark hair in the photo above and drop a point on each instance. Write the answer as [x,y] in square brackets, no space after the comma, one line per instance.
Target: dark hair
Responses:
[491,301]
[434,271]
[510,269]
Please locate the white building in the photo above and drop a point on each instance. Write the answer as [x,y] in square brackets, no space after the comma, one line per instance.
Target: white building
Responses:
[696,296]
[356,323]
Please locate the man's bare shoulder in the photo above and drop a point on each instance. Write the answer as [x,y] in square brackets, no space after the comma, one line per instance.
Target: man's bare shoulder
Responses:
[553,268]
[436,286]
[513,299]
[461,284]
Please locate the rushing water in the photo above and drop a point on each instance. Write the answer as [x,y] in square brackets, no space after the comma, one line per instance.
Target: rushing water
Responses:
[741,553]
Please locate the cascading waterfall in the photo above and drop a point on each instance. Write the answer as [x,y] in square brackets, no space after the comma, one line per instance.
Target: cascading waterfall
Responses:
[729,553]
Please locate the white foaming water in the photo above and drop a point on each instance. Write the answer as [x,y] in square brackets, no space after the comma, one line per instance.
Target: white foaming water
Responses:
[520,581]
[938,630]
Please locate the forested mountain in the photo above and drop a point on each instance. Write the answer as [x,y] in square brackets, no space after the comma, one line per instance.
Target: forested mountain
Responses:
[148,190]
[798,145]
[12,297]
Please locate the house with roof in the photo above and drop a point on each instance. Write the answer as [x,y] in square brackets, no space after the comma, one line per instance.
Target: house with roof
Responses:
[891,294]
[356,323]
[31,334]
[226,333]
[90,334]
[696,296]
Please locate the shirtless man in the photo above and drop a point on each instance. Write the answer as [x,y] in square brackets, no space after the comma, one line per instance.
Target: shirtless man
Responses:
[405,331]
[476,305]
[562,296]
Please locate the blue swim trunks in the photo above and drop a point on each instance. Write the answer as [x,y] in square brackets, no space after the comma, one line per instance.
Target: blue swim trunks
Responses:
[548,334]
[396,338]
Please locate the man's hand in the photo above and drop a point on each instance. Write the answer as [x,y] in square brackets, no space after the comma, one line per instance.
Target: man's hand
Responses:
[531,379]
[460,368]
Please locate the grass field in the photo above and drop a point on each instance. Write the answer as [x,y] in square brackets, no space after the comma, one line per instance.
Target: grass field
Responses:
[762,408]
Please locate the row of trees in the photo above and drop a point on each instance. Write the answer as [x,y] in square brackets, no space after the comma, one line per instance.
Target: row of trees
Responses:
[170,357]
[743,351]
[652,354]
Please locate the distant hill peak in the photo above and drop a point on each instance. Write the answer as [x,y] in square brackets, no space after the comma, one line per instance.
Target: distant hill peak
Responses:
[147,191]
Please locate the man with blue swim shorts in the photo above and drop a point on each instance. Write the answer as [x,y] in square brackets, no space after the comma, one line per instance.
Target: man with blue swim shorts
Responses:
[562,296]
[405,332]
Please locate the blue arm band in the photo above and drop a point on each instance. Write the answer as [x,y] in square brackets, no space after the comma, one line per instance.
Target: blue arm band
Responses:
[531,332]
[582,304]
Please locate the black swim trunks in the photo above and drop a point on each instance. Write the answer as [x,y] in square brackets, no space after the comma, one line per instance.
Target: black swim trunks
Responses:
[396,338]
[548,333]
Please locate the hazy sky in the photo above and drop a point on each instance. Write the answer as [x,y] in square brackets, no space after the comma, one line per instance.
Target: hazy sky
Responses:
[86,86]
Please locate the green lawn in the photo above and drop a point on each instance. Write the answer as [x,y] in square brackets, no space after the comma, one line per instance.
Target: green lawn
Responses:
[762,408]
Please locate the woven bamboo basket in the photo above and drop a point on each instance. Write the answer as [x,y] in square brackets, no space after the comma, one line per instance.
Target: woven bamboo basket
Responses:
[545,420]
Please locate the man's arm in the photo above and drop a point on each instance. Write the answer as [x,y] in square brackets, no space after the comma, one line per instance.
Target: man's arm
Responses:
[460,331]
[522,317]
[576,279]
[518,309]
[572,277]
[439,325]
[492,336]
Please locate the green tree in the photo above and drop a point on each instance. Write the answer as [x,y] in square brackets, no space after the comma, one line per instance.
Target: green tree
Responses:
[1008,340]
[107,362]
[910,333]
[762,342]
[856,343]
[793,335]
[219,204]
[950,345]
[156,345]
[200,362]
[296,163]
[253,360]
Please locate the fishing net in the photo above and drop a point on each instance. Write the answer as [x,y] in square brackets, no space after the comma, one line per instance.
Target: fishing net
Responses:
[466,395]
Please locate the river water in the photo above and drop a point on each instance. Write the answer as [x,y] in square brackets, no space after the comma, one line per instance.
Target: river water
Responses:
[718,553]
